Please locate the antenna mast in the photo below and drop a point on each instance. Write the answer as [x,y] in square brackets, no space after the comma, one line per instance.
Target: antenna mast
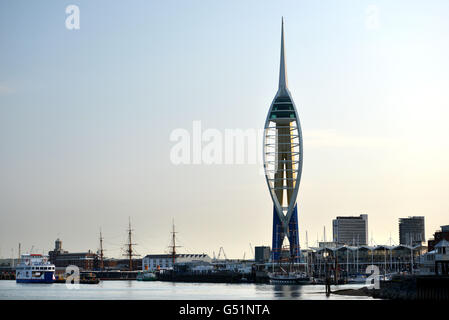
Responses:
[307,240]
[252,251]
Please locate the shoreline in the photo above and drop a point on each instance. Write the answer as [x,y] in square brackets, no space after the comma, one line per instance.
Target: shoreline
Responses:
[360,292]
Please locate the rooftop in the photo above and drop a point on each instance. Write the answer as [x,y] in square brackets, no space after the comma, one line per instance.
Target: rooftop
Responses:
[442,244]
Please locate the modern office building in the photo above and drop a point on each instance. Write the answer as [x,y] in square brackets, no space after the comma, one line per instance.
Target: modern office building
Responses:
[351,230]
[283,156]
[262,254]
[411,231]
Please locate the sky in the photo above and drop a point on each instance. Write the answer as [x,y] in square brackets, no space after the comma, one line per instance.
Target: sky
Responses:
[86,117]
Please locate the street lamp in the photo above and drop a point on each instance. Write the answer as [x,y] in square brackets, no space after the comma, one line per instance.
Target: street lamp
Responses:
[327,280]
[325,255]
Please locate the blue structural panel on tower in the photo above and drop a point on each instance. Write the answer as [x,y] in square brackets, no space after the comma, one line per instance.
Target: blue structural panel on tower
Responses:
[279,236]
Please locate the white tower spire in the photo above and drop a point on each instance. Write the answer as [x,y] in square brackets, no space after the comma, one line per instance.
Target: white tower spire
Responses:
[283,83]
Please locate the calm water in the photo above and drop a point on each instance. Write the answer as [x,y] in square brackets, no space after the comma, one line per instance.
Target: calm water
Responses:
[152,290]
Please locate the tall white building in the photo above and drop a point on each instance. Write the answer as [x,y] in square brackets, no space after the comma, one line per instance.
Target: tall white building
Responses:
[351,230]
[411,231]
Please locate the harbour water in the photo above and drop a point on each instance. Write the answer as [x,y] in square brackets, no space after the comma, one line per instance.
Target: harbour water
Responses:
[155,290]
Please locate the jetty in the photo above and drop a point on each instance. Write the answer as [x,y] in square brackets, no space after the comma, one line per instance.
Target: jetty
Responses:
[434,288]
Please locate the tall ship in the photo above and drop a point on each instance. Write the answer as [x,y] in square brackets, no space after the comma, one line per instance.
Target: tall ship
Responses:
[35,268]
[284,277]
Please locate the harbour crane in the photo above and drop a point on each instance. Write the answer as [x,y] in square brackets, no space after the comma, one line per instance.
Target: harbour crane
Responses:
[219,254]
[252,250]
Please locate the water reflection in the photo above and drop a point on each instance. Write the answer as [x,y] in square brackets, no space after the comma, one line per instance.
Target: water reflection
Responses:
[287,291]
[9,289]
[279,291]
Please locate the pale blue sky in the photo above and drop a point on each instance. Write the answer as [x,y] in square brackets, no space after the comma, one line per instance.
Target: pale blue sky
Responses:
[85,118]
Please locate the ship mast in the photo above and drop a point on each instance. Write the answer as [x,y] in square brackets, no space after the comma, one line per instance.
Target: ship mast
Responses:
[173,246]
[101,252]
[129,247]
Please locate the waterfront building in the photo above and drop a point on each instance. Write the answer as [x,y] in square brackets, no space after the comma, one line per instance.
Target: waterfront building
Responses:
[427,263]
[83,260]
[283,157]
[327,244]
[436,260]
[442,258]
[234,265]
[154,262]
[350,260]
[262,254]
[411,231]
[121,264]
[350,230]
[443,234]
[8,264]
[62,259]
[196,267]
[201,267]
[57,250]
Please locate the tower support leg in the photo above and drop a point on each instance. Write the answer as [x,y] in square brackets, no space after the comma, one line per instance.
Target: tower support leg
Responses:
[279,235]
[293,236]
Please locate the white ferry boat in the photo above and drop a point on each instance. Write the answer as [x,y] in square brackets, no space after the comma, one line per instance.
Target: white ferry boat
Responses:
[35,268]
